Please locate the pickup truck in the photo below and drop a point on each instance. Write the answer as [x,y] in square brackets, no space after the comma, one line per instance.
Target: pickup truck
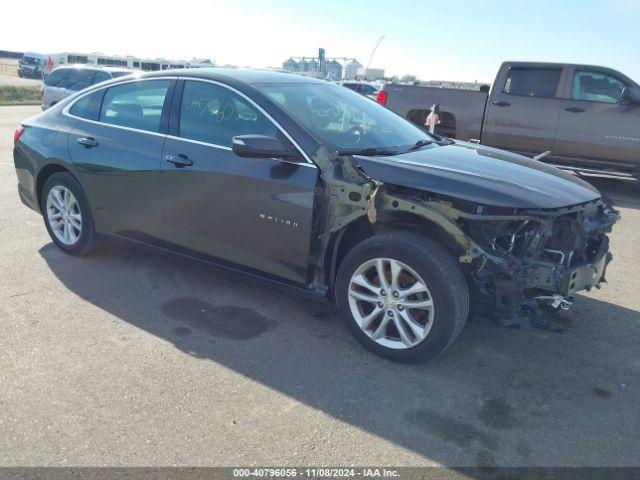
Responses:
[579,117]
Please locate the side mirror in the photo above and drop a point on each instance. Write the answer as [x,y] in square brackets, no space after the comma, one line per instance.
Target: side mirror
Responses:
[261,146]
[631,94]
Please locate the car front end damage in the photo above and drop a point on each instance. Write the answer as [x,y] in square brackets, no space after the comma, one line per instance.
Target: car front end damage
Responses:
[525,263]
[519,263]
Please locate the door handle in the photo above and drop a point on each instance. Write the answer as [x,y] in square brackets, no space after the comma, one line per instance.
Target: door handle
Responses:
[501,103]
[88,142]
[180,160]
[574,109]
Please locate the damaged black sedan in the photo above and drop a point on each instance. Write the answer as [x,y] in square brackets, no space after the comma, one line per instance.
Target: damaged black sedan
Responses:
[313,187]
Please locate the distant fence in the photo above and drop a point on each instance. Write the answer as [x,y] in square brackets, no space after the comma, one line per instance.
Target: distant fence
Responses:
[8,66]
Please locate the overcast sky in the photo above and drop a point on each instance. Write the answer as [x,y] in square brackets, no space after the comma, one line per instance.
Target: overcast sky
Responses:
[449,40]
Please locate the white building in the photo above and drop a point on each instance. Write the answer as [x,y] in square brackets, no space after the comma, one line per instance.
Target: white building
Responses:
[370,74]
[351,69]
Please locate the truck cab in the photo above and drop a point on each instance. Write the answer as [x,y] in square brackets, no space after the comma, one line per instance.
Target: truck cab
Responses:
[581,114]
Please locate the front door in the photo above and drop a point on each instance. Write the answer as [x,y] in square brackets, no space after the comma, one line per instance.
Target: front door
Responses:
[118,156]
[523,110]
[255,212]
[597,126]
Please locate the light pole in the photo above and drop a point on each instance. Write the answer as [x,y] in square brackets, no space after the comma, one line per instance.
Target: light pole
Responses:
[366,70]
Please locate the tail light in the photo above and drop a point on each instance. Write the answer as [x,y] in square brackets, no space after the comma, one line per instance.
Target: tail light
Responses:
[42,91]
[17,134]
[381,97]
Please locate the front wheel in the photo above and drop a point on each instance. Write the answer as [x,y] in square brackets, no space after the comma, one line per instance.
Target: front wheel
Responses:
[402,296]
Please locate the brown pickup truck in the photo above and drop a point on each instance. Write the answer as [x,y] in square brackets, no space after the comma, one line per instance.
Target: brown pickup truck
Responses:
[585,118]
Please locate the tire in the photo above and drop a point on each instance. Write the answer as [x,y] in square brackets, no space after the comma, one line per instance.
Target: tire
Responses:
[428,262]
[85,238]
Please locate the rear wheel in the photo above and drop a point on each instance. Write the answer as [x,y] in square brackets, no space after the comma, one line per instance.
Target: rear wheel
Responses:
[67,215]
[403,296]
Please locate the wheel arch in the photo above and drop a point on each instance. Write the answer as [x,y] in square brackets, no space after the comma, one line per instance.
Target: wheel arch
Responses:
[44,174]
[355,232]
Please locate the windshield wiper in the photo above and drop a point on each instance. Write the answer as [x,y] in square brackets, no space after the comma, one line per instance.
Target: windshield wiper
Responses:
[419,144]
[368,152]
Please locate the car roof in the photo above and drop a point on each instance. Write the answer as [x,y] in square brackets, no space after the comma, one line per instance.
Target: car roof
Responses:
[245,75]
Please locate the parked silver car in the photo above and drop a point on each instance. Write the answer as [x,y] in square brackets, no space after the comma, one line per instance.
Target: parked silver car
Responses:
[66,80]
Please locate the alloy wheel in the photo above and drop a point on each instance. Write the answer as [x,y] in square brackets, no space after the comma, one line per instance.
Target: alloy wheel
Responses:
[63,213]
[391,303]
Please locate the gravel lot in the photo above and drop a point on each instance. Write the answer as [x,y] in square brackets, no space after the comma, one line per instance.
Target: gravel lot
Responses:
[131,357]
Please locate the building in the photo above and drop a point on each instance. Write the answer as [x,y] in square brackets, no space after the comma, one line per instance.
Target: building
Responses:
[351,69]
[333,70]
[310,65]
[370,74]
[290,65]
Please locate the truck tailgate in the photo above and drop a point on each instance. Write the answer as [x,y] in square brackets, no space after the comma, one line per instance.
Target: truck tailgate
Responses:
[461,111]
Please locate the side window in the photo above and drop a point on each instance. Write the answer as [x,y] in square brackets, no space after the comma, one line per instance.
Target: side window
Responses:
[532,82]
[135,105]
[367,90]
[596,87]
[88,106]
[79,78]
[214,114]
[101,77]
[58,78]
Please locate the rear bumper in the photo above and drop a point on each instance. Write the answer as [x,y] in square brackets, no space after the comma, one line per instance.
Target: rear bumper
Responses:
[27,199]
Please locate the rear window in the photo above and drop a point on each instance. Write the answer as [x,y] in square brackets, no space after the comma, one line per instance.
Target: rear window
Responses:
[58,78]
[79,78]
[120,74]
[135,105]
[532,82]
[101,77]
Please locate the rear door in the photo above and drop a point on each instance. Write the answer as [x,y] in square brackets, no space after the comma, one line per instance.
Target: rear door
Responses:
[256,212]
[597,126]
[117,150]
[524,109]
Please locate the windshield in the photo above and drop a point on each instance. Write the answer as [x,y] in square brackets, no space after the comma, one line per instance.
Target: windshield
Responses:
[29,61]
[344,120]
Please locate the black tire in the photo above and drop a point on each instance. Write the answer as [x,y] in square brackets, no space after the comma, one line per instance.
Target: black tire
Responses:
[87,239]
[438,269]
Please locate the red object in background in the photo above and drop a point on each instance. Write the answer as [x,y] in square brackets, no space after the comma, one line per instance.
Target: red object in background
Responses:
[381,97]
[17,134]
[432,119]
[50,64]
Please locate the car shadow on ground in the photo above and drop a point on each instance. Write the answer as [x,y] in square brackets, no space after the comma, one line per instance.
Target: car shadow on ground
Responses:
[497,396]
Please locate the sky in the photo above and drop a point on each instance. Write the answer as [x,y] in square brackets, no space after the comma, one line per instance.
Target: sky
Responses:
[463,40]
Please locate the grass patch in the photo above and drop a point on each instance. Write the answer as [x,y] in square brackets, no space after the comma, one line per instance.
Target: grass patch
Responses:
[19,95]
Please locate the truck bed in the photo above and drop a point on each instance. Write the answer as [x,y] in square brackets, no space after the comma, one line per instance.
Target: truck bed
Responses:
[461,111]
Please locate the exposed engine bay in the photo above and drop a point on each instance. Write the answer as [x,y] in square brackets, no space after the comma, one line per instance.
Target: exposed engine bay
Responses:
[537,260]
[520,263]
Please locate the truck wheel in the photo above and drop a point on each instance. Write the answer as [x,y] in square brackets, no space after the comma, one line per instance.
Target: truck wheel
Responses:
[402,295]
[67,215]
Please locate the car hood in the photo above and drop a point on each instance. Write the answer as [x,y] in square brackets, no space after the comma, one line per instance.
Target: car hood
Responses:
[481,174]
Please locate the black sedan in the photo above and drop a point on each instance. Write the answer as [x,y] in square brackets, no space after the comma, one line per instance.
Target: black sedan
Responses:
[315,188]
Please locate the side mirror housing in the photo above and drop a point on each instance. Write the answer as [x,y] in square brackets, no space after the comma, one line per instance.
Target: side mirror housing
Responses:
[261,146]
[631,94]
